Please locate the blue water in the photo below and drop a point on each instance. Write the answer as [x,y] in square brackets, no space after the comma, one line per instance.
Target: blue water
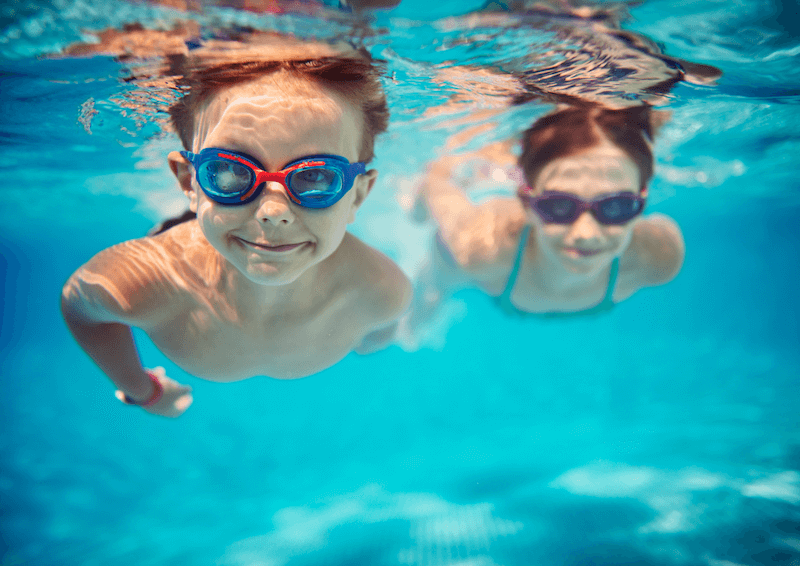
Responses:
[665,433]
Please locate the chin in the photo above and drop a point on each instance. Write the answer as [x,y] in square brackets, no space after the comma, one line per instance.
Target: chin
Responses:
[273,277]
[587,264]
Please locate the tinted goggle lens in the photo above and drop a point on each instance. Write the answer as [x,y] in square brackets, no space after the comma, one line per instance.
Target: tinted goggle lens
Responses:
[225,178]
[316,184]
[564,209]
[557,209]
[617,210]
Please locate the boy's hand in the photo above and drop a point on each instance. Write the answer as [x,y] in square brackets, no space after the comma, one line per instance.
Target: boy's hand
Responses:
[175,399]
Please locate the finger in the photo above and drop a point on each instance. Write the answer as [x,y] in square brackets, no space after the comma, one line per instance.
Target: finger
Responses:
[183,403]
[168,381]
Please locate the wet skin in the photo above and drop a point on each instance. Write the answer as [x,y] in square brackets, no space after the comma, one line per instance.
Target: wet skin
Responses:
[565,267]
[292,268]
[585,246]
[272,241]
[266,288]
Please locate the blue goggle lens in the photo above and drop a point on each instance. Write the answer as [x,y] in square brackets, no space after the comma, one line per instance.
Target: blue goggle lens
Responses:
[225,178]
[315,183]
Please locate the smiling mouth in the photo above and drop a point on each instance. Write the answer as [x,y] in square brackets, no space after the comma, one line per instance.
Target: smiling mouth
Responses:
[582,253]
[280,248]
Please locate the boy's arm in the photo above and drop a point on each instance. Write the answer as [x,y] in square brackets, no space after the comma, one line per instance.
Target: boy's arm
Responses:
[100,303]
[391,293]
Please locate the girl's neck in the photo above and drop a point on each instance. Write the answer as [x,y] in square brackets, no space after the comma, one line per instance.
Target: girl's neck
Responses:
[553,277]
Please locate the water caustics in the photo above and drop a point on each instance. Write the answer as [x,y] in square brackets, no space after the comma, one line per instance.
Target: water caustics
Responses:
[580,242]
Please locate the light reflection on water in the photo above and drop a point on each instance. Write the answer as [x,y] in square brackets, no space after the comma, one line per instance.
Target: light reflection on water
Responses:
[664,435]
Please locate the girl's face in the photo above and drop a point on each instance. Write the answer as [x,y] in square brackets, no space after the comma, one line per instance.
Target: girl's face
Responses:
[585,245]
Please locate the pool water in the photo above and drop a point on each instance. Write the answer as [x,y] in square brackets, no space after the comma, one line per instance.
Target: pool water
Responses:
[664,433]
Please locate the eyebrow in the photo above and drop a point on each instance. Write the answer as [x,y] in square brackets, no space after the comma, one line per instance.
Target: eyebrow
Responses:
[612,191]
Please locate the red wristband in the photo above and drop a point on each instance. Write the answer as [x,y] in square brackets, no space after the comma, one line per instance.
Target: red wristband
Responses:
[158,391]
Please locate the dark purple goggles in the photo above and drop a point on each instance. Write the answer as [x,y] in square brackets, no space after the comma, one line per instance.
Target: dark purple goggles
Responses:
[565,208]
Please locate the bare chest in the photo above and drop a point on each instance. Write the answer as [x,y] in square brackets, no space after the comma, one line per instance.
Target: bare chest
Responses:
[528,295]
[219,347]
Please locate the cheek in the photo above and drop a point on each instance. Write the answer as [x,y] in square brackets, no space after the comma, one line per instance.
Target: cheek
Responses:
[328,223]
[617,238]
[619,235]
[218,213]
[554,233]
[214,218]
[328,229]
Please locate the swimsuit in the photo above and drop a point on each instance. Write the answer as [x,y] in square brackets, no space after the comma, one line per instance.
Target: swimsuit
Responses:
[504,300]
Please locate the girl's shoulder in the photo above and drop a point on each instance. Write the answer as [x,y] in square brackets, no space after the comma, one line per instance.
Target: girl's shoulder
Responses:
[656,252]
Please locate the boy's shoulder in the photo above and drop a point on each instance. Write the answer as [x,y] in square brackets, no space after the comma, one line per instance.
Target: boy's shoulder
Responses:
[142,277]
[373,279]
[168,255]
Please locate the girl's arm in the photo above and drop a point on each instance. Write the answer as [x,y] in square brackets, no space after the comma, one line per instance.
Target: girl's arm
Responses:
[474,234]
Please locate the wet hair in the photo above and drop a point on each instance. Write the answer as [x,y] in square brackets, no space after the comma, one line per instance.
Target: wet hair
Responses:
[577,129]
[357,80]
[162,227]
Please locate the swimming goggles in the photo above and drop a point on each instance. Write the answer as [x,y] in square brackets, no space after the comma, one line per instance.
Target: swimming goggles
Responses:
[230,177]
[565,208]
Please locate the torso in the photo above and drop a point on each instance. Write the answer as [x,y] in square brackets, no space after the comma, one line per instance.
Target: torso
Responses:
[522,293]
[495,229]
[526,296]
[202,330]
[220,349]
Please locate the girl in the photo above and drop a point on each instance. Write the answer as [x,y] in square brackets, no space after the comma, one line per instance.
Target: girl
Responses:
[573,241]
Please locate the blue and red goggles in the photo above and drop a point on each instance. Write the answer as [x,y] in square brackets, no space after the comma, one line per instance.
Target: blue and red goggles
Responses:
[230,177]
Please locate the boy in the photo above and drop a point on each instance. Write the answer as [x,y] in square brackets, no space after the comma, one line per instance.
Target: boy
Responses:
[266,280]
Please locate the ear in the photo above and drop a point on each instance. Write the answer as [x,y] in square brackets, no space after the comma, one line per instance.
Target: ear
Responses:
[182,170]
[362,187]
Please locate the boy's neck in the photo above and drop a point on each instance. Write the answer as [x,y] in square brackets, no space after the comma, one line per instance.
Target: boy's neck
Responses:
[251,299]
[247,298]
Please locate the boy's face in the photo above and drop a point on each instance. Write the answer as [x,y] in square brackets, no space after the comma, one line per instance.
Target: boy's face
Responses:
[272,240]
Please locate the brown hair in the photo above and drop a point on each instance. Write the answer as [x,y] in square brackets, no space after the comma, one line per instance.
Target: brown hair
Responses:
[571,131]
[355,79]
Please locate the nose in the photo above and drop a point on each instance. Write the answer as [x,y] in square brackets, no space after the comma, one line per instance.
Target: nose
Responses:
[585,229]
[273,205]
